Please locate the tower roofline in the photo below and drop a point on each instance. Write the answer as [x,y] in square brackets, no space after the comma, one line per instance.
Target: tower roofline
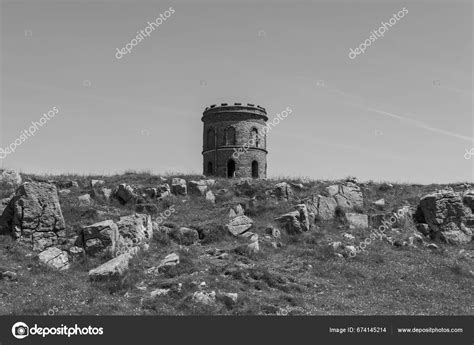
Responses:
[233,108]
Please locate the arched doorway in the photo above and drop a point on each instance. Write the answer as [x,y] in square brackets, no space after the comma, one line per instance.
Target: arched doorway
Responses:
[255,169]
[210,171]
[231,168]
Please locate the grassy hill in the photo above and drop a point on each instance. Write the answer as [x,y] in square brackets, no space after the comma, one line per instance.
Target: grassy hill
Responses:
[302,276]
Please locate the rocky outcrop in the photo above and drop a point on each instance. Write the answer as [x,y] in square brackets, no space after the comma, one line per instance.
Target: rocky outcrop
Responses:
[124,193]
[55,258]
[198,187]
[135,231]
[34,217]
[296,221]
[99,239]
[178,186]
[346,196]
[113,269]
[357,220]
[445,215]
[239,225]
[282,191]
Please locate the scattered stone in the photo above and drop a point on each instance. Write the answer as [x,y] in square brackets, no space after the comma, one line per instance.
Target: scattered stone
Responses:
[135,230]
[184,236]
[9,275]
[100,238]
[232,296]
[164,190]
[349,237]
[170,260]
[350,251]
[282,191]
[303,218]
[159,292]
[236,211]
[357,220]
[349,196]
[210,196]
[34,217]
[198,187]
[85,199]
[112,269]
[253,246]
[239,225]
[55,258]
[10,179]
[207,298]
[468,199]
[332,190]
[64,192]
[66,184]
[178,186]
[432,246]
[290,222]
[274,232]
[124,193]
[336,245]
[97,183]
[380,202]
[423,228]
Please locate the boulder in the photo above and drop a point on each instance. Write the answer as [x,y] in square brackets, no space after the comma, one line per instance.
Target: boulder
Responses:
[379,202]
[178,186]
[304,217]
[100,238]
[253,246]
[10,179]
[210,196]
[197,187]
[34,217]
[184,236]
[445,215]
[203,297]
[357,220]
[290,222]
[97,183]
[135,230]
[112,269]
[322,207]
[239,225]
[164,190]
[124,193]
[85,199]
[55,258]
[236,211]
[349,196]
[282,191]
[274,232]
[170,260]
[468,199]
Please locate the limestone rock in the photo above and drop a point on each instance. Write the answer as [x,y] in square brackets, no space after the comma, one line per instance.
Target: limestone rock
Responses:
[124,193]
[184,236]
[283,191]
[135,230]
[236,211]
[55,258]
[468,199]
[178,186]
[97,183]
[322,207]
[290,222]
[197,187]
[357,220]
[85,199]
[239,225]
[445,215]
[112,269]
[379,202]
[349,196]
[207,298]
[34,216]
[210,196]
[10,179]
[170,260]
[164,190]
[100,238]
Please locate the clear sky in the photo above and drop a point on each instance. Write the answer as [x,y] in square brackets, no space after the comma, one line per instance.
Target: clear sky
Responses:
[401,112]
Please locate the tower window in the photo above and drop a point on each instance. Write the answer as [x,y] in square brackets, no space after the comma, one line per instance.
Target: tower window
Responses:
[211,138]
[210,170]
[229,136]
[255,169]
[254,139]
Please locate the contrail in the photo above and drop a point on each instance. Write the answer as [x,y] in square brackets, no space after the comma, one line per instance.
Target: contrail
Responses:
[363,104]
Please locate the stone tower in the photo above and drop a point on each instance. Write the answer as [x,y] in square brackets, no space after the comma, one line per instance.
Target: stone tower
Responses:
[234,141]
